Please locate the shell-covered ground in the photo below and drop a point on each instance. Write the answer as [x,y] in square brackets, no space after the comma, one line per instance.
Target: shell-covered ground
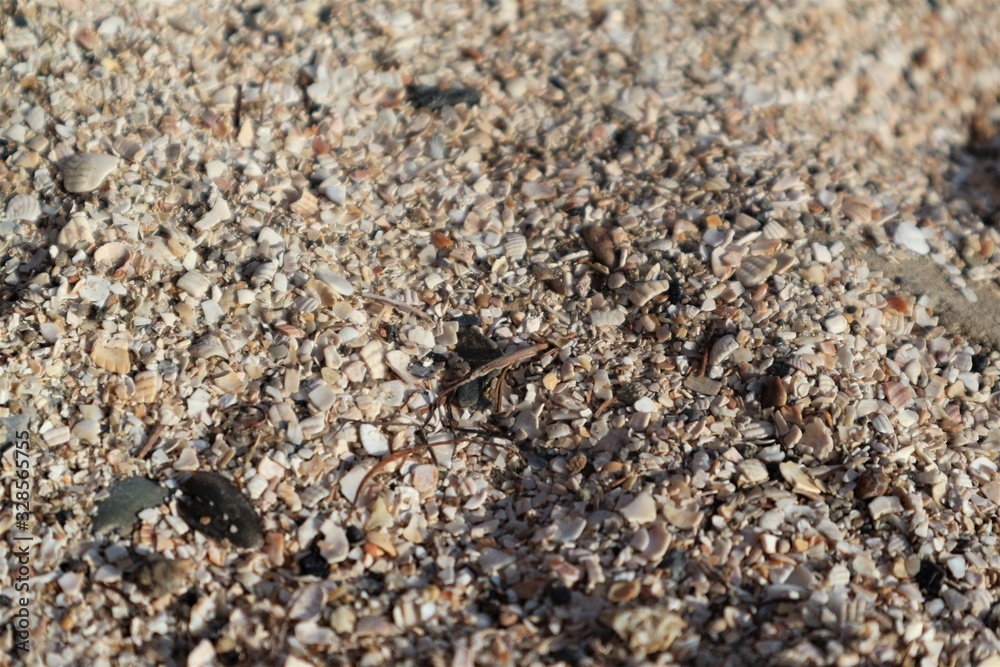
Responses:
[670,326]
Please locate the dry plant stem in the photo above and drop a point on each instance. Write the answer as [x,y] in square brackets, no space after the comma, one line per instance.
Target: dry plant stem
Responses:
[151,441]
[405,453]
[495,365]
[398,305]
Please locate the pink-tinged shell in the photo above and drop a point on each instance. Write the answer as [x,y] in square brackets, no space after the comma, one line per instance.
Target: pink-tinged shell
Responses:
[899,395]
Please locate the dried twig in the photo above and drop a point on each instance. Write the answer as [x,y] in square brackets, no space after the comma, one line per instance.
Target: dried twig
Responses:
[503,362]
[398,305]
[405,453]
[151,441]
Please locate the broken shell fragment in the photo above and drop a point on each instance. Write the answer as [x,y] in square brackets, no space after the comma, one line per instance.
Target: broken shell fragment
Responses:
[643,292]
[23,207]
[755,270]
[84,172]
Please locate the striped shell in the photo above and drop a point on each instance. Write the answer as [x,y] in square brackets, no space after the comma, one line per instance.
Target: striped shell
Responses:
[643,292]
[897,394]
[515,246]
[755,270]
[84,172]
[23,207]
[147,385]
[857,211]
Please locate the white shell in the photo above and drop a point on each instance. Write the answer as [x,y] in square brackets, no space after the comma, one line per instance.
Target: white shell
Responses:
[722,350]
[23,207]
[194,283]
[607,318]
[643,292]
[114,255]
[76,231]
[85,172]
[515,246]
[755,270]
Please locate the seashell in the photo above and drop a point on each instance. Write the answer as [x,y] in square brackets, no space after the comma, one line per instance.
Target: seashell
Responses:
[57,435]
[51,332]
[306,304]
[900,304]
[88,431]
[208,347]
[774,230]
[801,364]
[326,294]
[373,440]
[218,213]
[607,318]
[113,359]
[113,255]
[624,591]
[801,481]
[755,270]
[195,284]
[23,207]
[857,211]
[147,386]
[307,205]
[264,273]
[84,172]
[600,244]
[723,348]
[897,394]
[515,246]
[76,232]
[643,292]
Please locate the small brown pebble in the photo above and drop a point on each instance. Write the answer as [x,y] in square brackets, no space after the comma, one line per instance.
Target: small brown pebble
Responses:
[871,484]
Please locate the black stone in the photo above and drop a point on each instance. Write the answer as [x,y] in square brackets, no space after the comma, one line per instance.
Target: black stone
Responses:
[779,369]
[559,594]
[215,506]
[929,578]
[313,564]
[355,534]
[434,98]
[675,562]
[979,363]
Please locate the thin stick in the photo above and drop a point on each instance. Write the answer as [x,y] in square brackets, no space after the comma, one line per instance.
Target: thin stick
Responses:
[151,441]
[405,453]
[398,305]
[503,362]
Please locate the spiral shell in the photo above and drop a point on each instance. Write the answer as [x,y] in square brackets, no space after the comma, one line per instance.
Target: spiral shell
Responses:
[600,244]
[23,207]
[84,172]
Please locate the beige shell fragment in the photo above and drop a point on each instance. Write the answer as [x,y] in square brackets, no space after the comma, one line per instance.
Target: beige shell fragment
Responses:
[515,246]
[195,284]
[113,359]
[643,292]
[76,232]
[802,482]
[600,244]
[84,172]
[147,385]
[755,270]
[218,213]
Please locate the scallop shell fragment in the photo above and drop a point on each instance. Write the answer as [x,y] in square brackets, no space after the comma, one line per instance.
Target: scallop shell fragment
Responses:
[755,270]
[147,385]
[515,246]
[84,172]
[23,207]
[643,292]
